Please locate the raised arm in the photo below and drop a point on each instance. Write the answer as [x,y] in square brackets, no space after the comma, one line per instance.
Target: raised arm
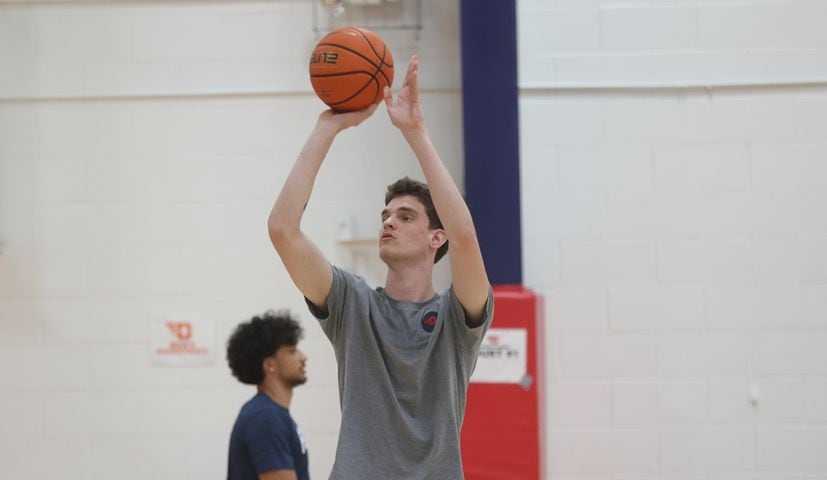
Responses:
[303,260]
[470,280]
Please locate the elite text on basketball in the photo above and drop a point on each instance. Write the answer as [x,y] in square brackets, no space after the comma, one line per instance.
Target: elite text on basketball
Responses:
[324,57]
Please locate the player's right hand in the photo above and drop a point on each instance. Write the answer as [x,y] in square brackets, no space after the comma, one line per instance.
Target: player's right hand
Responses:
[343,120]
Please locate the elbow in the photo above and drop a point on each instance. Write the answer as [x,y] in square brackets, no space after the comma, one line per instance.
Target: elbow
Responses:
[278,229]
[464,237]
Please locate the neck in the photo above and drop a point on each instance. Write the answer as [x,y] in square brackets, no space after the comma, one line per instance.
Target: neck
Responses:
[411,284]
[277,391]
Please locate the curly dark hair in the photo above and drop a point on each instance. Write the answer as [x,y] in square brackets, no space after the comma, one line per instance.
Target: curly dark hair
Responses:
[261,337]
[420,190]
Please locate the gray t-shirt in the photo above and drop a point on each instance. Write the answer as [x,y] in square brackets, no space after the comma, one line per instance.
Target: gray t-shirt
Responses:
[403,370]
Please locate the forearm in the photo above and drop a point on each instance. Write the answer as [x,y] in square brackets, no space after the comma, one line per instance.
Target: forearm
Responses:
[451,207]
[289,206]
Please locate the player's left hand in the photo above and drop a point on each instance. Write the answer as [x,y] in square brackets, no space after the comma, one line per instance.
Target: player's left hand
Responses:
[406,111]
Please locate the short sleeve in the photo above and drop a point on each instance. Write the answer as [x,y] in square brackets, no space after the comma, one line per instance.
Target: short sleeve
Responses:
[343,290]
[470,336]
[268,441]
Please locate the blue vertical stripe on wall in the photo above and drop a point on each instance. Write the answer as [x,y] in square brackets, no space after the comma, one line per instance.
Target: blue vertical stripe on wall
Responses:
[491,133]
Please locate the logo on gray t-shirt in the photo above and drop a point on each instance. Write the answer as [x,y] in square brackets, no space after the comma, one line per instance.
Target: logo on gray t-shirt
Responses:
[429,321]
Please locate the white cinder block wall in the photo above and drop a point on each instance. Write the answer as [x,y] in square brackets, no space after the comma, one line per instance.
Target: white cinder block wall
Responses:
[141,147]
[674,168]
[675,215]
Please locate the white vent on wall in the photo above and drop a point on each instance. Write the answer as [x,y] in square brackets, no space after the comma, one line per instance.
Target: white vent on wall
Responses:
[371,14]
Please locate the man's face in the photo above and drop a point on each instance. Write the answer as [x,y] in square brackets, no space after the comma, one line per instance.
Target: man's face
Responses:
[405,235]
[290,365]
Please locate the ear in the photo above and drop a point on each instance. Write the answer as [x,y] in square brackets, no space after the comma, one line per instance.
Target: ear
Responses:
[438,238]
[268,365]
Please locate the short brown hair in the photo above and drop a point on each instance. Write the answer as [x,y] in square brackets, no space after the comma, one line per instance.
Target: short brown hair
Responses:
[420,190]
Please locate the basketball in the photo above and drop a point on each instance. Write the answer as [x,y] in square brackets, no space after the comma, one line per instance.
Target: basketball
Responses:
[349,69]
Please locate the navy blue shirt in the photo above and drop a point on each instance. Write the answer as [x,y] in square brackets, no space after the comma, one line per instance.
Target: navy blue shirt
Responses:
[265,438]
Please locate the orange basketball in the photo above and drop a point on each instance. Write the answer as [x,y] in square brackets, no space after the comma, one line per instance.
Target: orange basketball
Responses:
[349,69]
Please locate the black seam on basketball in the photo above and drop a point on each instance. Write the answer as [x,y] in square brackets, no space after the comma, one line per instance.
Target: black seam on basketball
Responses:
[378,67]
[374,50]
[340,74]
[381,57]
[372,79]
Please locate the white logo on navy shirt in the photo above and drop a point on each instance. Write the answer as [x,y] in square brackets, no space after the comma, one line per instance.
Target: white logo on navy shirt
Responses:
[301,440]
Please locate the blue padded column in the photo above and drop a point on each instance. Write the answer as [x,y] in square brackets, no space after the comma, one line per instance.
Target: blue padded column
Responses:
[491,130]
